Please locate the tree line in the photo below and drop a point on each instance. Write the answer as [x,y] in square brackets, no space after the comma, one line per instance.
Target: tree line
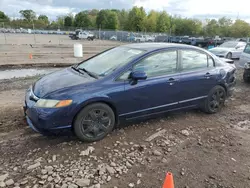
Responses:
[134,20]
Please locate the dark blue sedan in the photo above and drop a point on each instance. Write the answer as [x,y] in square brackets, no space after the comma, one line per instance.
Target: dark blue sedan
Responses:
[126,83]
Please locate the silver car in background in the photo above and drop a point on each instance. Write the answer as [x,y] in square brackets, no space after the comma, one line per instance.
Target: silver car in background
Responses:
[245,60]
[229,50]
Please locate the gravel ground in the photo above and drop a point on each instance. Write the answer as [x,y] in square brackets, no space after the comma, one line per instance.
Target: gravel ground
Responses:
[201,150]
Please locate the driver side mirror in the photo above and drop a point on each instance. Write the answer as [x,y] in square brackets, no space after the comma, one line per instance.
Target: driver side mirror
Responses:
[138,75]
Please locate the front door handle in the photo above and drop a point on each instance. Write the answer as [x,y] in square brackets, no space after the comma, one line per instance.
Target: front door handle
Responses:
[171,81]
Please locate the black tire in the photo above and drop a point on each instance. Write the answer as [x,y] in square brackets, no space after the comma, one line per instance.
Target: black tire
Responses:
[229,55]
[245,78]
[95,115]
[215,100]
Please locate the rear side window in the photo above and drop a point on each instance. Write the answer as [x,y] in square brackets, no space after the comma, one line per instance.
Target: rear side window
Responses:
[247,49]
[159,64]
[193,60]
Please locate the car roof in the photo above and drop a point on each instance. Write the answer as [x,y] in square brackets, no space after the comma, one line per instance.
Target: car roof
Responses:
[156,46]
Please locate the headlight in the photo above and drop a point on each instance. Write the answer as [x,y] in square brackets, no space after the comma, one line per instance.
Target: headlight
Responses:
[247,66]
[48,103]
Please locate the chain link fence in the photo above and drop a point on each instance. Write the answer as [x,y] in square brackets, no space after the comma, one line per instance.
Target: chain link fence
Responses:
[6,34]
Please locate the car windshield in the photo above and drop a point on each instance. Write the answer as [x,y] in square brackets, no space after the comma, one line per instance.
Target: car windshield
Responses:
[108,61]
[229,44]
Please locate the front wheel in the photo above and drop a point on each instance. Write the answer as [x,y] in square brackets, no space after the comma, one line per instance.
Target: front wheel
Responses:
[94,122]
[215,100]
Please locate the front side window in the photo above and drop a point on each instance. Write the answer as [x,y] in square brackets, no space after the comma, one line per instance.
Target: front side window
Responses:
[159,64]
[193,60]
[110,60]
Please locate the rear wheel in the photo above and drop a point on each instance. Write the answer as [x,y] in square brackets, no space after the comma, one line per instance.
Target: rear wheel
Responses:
[215,100]
[94,122]
[229,55]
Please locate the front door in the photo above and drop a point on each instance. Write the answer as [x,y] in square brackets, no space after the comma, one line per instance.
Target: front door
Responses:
[159,92]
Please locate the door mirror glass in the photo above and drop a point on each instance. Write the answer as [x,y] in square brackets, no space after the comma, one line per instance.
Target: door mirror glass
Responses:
[138,75]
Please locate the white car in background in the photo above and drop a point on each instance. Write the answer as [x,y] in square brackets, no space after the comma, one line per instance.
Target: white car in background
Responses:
[114,37]
[229,50]
[149,38]
[140,38]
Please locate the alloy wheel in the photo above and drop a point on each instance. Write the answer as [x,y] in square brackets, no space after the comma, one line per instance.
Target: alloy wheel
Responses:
[95,123]
[216,100]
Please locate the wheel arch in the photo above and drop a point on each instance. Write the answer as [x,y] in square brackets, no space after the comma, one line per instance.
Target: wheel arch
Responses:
[101,100]
[224,86]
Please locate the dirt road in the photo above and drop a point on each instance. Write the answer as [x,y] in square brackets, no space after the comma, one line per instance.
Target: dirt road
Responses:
[46,49]
[201,150]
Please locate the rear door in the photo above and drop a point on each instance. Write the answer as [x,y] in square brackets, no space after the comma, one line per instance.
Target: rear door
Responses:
[198,76]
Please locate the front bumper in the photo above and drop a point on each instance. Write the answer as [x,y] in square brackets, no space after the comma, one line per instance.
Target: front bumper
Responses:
[45,120]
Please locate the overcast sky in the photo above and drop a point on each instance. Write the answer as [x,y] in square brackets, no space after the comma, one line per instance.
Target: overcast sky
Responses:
[187,8]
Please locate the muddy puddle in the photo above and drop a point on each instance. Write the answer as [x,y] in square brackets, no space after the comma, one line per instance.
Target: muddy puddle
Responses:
[22,73]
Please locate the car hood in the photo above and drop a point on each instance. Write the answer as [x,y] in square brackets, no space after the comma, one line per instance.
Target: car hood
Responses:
[59,80]
[220,50]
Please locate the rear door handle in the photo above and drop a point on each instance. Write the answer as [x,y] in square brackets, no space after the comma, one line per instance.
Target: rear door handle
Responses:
[207,75]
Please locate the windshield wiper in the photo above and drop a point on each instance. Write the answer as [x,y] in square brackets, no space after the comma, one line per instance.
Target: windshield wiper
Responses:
[89,73]
[74,68]
[77,70]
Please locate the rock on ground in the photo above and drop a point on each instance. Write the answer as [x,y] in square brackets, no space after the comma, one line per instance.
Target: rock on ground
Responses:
[9,182]
[31,167]
[185,132]
[157,153]
[83,182]
[88,151]
[3,177]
